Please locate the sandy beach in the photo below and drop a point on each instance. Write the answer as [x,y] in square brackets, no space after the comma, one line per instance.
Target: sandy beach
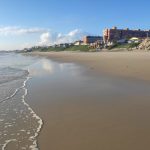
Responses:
[92,101]
[127,64]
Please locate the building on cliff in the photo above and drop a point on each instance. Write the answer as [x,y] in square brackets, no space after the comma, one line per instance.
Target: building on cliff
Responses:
[114,34]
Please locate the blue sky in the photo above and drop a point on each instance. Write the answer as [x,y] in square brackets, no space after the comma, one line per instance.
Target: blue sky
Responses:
[29,22]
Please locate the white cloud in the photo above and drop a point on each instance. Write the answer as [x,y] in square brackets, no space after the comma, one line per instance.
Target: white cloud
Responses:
[74,32]
[12,30]
[50,38]
[29,37]
[45,39]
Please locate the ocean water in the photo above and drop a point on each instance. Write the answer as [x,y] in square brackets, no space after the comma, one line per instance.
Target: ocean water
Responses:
[19,124]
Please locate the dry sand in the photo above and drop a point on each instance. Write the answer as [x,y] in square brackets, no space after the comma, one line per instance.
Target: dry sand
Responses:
[126,64]
[96,113]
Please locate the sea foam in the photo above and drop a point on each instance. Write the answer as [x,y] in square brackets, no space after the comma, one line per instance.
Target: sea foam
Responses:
[19,123]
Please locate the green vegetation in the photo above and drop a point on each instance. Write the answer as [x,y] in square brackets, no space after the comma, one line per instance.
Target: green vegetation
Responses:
[126,45]
[83,48]
[133,45]
[47,49]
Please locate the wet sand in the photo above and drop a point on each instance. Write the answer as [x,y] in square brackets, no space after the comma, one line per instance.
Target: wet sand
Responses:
[86,111]
[133,64]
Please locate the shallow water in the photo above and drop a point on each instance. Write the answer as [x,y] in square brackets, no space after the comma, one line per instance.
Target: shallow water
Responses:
[19,124]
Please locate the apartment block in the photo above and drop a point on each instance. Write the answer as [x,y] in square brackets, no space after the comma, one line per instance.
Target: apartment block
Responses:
[114,34]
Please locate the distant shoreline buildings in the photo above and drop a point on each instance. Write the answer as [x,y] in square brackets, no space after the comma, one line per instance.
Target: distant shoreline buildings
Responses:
[110,37]
[92,39]
[115,34]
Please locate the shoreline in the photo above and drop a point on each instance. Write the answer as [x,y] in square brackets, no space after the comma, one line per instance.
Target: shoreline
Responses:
[132,64]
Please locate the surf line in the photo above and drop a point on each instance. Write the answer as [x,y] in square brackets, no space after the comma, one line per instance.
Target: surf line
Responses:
[39,120]
[16,91]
